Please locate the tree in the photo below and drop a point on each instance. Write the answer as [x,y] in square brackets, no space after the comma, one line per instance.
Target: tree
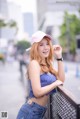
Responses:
[13,24]
[22,45]
[2,23]
[69,29]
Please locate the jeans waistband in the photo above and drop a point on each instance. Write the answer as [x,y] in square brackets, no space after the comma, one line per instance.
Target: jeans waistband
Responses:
[30,102]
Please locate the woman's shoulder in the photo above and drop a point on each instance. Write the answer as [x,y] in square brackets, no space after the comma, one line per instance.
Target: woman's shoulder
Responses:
[34,63]
[33,67]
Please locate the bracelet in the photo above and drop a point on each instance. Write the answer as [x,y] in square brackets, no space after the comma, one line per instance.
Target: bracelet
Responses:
[60,59]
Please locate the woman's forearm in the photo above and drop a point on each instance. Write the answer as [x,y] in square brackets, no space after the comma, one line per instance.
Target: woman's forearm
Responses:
[61,72]
[46,89]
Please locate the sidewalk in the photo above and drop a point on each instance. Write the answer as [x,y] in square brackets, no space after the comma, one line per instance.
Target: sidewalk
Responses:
[12,92]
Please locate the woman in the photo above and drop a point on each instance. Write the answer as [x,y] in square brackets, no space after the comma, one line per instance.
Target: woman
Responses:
[43,78]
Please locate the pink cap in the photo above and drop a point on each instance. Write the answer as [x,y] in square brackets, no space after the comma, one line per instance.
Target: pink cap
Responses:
[38,36]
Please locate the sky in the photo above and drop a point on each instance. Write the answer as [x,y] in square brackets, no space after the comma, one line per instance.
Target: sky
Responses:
[26,5]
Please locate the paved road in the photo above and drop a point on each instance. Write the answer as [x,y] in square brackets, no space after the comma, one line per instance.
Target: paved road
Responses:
[72,77]
[13,92]
[72,82]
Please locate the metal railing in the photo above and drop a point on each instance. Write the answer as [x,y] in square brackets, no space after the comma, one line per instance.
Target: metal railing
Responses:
[63,105]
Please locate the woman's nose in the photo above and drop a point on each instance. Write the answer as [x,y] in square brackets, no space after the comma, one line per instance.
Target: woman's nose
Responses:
[45,46]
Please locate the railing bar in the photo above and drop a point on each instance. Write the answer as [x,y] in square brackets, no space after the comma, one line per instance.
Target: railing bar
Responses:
[70,97]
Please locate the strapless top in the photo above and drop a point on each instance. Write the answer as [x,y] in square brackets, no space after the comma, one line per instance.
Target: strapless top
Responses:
[45,79]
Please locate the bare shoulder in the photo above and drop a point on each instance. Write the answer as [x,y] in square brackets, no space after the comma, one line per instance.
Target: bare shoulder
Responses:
[34,63]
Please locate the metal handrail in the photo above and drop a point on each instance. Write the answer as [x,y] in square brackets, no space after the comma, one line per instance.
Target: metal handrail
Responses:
[63,105]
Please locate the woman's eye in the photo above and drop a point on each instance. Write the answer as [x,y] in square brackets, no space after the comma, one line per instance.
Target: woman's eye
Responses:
[44,44]
[41,44]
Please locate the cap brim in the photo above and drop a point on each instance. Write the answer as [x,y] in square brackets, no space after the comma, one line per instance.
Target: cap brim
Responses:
[28,49]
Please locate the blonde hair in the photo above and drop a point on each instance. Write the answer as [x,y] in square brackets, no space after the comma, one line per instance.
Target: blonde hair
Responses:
[45,66]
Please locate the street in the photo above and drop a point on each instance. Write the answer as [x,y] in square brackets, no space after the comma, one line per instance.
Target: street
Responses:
[72,78]
[13,92]
[72,82]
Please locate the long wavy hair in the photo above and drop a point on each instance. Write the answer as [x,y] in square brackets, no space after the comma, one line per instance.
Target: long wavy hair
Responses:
[46,66]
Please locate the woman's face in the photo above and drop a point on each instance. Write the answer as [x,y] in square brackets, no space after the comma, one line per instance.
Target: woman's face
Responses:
[44,48]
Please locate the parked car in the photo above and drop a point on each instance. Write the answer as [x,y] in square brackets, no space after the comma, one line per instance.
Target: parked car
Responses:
[2,55]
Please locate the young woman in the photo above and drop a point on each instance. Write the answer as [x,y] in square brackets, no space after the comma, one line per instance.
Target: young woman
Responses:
[43,78]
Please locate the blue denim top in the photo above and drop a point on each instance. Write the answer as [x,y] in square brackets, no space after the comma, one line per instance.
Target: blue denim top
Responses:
[45,79]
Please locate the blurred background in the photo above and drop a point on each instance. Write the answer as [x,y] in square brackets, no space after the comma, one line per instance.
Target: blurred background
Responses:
[19,19]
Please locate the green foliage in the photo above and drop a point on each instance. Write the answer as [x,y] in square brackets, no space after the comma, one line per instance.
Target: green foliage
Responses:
[69,29]
[2,23]
[73,47]
[11,23]
[22,45]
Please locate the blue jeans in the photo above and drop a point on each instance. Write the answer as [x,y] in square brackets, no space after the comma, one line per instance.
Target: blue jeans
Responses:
[31,111]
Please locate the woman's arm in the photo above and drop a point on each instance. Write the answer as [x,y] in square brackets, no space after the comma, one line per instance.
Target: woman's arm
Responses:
[61,72]
[58,54]
[34,76]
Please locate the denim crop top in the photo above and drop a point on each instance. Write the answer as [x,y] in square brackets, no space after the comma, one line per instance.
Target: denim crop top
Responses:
[45,79]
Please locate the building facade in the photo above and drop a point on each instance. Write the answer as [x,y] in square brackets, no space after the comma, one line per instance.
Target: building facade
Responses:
[50,14]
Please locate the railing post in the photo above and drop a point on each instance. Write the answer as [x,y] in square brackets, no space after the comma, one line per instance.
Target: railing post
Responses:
[78,111]
[50,107]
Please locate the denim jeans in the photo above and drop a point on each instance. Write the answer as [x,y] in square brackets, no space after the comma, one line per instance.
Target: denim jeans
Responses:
[31,111]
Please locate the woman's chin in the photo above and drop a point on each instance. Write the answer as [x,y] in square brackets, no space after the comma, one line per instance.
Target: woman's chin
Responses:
[46,56]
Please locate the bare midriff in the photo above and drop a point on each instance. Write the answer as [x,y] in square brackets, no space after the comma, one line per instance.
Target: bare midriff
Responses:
[41,101]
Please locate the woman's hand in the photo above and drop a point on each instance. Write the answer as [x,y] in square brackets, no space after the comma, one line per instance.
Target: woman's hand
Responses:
[57,50]
[58,82]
